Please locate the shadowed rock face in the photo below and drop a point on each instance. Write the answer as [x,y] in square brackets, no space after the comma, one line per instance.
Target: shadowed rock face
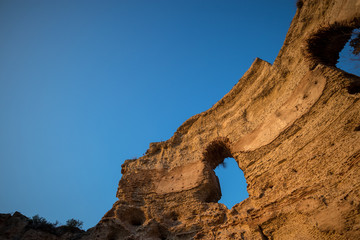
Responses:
[293,128]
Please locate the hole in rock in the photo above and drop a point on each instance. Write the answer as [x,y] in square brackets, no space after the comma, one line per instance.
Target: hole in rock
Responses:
[232,182]
[136,222]
[134,216]
[349,57]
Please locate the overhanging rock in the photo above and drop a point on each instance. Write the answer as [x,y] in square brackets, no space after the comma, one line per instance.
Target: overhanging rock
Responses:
[292,127]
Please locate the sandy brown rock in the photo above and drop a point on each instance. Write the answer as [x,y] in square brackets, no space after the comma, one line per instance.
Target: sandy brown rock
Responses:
[294,129]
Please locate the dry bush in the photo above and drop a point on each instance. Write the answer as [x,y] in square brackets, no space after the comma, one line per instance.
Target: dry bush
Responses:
[299,4]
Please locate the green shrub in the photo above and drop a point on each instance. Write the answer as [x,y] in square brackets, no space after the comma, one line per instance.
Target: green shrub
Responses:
[37,222]
[74,223]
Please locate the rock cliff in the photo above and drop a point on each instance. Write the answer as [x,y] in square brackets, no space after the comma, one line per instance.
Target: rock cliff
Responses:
[293,127]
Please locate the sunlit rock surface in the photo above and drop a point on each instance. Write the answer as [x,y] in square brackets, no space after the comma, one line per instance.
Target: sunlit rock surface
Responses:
[294,129]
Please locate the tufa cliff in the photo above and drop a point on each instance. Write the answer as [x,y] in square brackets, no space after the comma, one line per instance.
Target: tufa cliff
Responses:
[293,128]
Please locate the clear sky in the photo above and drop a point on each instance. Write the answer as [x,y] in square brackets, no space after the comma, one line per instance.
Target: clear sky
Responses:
[86,84]
[347,60]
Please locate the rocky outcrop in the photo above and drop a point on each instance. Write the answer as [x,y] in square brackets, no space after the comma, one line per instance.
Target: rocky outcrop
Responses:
[17,226]
[293,128]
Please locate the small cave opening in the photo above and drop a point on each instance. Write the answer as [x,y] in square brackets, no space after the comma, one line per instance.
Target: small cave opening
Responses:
[136,222]
[232,183]
[133,216]
[349,57]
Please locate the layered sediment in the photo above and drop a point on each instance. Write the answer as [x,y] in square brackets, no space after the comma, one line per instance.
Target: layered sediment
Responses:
[292,126]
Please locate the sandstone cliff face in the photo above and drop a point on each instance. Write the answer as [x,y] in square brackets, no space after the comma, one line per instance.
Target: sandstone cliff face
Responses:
[294,129]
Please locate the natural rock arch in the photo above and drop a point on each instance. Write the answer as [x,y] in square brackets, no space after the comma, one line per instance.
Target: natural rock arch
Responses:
[291,127]
[232,183]
[217,151]
[324,46]
[214,154]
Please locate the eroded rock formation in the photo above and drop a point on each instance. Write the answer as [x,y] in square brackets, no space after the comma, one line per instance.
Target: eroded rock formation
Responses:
[294,129]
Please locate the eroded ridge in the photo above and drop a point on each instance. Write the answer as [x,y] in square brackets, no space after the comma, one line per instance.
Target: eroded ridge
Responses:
[292,127]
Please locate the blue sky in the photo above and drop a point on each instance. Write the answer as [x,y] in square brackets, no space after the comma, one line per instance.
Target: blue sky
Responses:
[347,60]
[85,85]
